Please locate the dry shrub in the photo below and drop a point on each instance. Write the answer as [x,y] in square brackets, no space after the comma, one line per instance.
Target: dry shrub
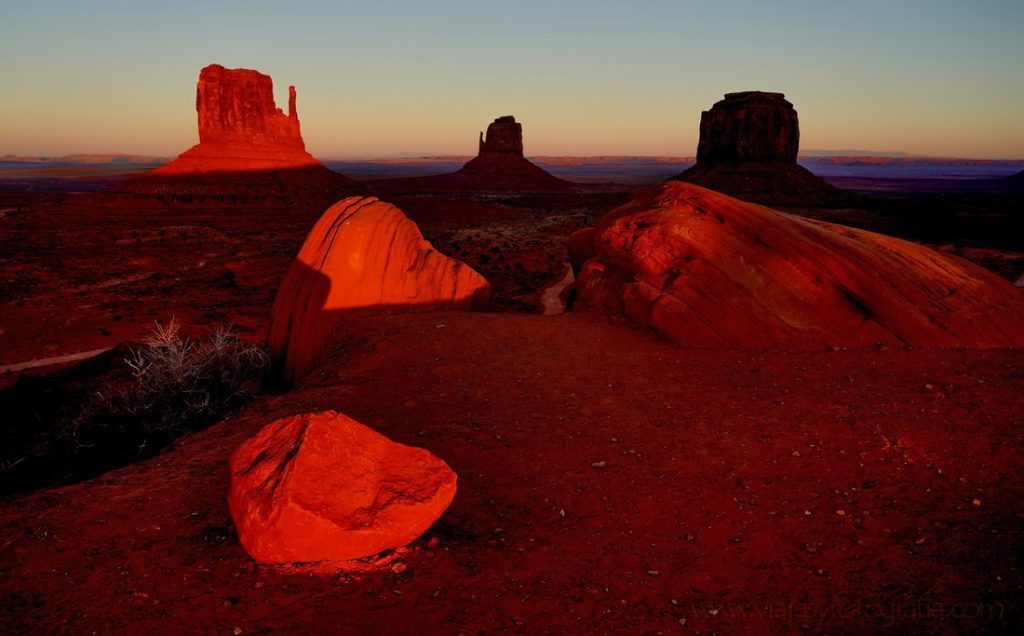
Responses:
[177,384]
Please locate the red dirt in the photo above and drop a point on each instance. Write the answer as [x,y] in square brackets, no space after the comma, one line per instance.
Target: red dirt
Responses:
[847,491]
[84,271]
[684,475]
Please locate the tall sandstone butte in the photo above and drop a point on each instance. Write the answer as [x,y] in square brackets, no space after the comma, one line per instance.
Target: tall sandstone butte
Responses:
[748,149]
[498,166]
[708,270]
[236,106]
[500,161]
[504,135]
[247,145]
[749,126]
[240,127]
[362,254]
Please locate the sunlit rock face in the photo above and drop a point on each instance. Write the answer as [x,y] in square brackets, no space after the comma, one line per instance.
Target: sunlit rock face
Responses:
[748,149]
[240,127]
[362,254]
[712,271]
[323,487]
[237,106]
[248,147]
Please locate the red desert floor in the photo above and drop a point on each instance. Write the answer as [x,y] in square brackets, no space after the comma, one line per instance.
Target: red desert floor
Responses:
[608,481]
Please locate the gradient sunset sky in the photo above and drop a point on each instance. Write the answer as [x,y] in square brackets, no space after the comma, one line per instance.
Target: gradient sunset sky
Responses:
[386,78]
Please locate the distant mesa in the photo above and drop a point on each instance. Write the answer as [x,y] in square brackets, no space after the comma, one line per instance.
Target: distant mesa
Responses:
[748,148]
[363,254]
[241,132]
[708,270]
[499,165]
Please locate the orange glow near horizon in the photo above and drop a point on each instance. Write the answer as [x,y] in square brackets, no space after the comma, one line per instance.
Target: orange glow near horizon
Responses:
[589,79]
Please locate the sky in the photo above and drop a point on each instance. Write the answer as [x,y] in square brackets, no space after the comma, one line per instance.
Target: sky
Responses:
[384,78]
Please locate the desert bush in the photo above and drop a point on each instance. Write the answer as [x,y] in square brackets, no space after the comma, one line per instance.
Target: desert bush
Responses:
[123,405]
[176,384]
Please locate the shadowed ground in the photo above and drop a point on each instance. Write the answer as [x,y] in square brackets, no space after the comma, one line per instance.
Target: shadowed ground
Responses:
[712,487]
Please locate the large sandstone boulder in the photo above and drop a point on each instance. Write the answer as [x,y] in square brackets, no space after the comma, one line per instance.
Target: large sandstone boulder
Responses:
[323,487]
[712,271]
[363,253]
[748,149]
[246,144]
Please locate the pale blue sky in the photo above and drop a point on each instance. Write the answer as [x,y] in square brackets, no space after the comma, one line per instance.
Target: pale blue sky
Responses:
[387,77]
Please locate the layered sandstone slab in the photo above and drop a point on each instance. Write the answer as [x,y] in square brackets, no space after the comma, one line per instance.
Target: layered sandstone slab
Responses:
[363,253]
[323,487]
[748,148]
[712,271]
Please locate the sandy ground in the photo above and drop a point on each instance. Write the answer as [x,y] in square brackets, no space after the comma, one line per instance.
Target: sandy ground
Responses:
[711,492]
[608,481]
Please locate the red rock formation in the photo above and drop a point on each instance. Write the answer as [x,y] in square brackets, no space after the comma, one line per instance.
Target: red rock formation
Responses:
[581,248]
[499,165]
[323,487]
[500,162]
[362,253]
[240,127]
[504,134]
[748,148]
[749,126]
[241,132]
[237,106]
[709,270]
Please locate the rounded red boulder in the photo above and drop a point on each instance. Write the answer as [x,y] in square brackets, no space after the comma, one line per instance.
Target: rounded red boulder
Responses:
[323,487]
[362,254]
